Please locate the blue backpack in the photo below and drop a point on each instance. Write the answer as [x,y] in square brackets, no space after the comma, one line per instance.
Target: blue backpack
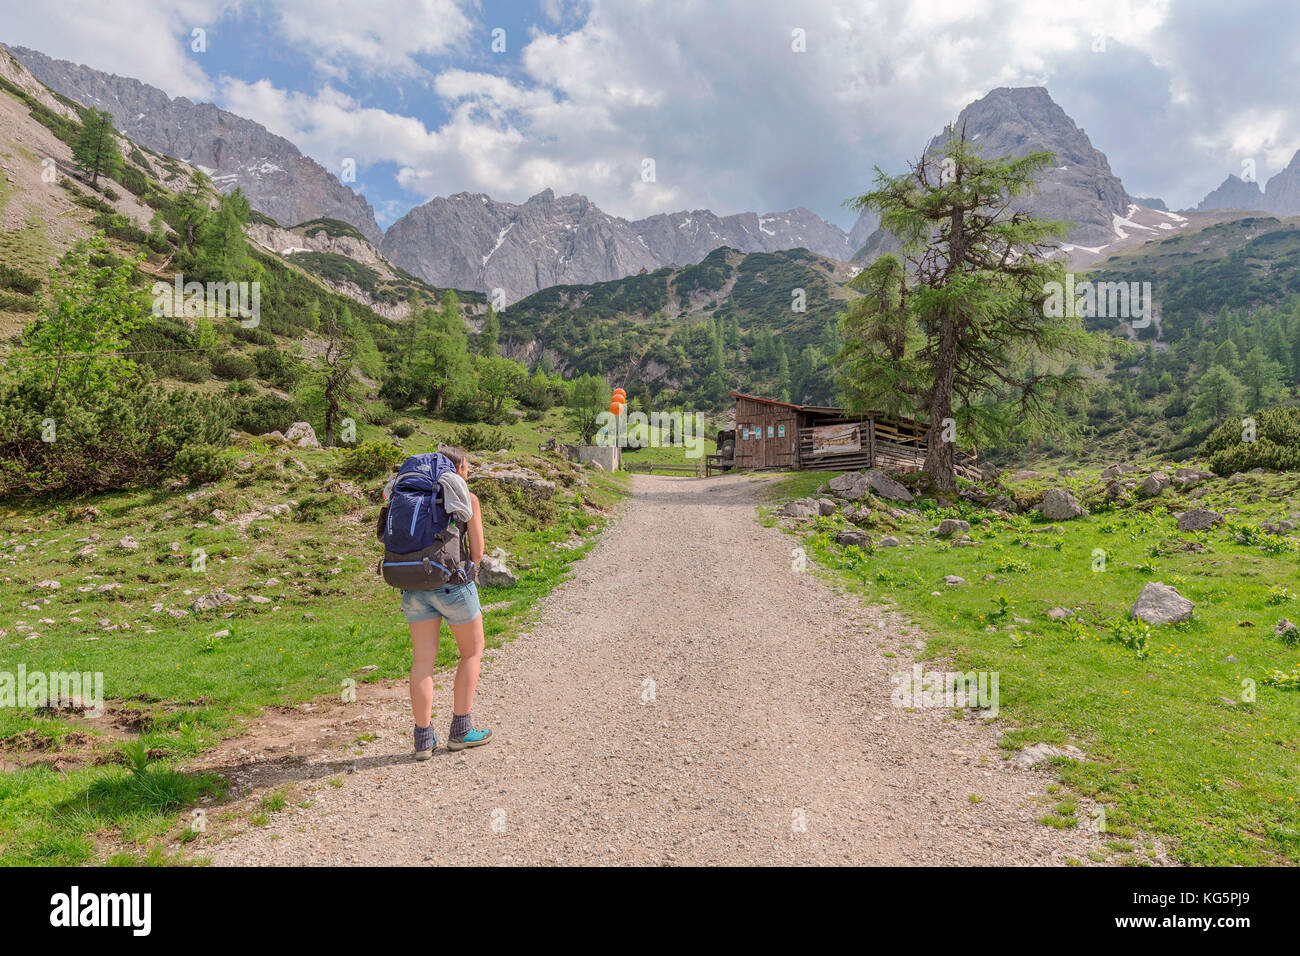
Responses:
[423,546]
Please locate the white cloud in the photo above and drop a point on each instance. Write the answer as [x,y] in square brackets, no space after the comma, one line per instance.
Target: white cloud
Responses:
[141,39]
[373,36]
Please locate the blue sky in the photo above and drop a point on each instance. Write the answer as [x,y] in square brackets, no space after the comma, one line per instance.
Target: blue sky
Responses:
[719,95]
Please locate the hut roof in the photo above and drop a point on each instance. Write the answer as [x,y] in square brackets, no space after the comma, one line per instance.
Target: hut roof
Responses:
[819,409]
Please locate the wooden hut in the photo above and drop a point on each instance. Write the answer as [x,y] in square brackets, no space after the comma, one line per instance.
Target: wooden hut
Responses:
[775,434]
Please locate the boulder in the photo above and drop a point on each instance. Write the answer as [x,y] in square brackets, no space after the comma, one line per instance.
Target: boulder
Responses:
[1198,519]
[1058,613]
[302,435]
[825,506]
[1060,505]
[852,486]
[799,508]
[277,434]
[1036,754]
[885,486]
[1153,485]
[1287,630]
[493,573]
[950,526]
[854,539]
[889,541]
[1114,471]
[523,478]
[50,585]
[953,580]
[1160,603]
[990,472]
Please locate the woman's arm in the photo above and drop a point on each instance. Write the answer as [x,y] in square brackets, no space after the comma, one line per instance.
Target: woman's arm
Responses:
[476,532]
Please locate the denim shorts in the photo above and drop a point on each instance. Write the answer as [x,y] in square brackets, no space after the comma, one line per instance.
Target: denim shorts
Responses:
[458,603]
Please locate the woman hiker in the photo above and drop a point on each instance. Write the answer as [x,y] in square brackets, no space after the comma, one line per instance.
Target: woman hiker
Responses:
[459,605]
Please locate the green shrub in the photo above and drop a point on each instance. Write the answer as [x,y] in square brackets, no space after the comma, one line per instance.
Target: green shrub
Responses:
[371,459]
[232,365]
[403,430]
[121,434]
[265,413]
[201,463]
[1276,445]
[481,438]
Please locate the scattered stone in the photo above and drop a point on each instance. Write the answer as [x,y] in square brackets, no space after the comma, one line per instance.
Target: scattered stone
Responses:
[1036,754]
[210,602]
[88,513]
[1285,627]
[1199,519]
[1058,613]
[1026,474]
[889,541]
[302,435]
[1060,505]
[128,545]
[799,508]
[524,478]
[50,585]
[1153,485]
[852,486]
[953,580]
[1161,604]
[950,526]
[886,487]
[493,573]
[258,599]
[1114,471]
[825,506]
[858,539]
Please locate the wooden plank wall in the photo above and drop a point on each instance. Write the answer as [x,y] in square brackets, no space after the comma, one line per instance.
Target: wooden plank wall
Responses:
[759,439]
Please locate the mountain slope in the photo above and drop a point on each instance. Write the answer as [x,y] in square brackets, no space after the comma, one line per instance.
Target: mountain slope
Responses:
[728,322]
[277,178]
[1079,187]
[1234,193]
[472,241]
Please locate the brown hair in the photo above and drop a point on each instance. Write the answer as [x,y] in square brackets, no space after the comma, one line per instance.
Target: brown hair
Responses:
[457,454]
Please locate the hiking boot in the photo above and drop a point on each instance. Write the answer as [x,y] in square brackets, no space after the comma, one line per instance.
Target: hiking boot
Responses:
[426,754]
[475,738]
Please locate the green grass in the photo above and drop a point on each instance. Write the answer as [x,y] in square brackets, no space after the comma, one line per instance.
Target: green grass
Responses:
[1177,751]
[179,686]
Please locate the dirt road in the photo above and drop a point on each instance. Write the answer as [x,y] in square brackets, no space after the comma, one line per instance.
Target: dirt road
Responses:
[687,698]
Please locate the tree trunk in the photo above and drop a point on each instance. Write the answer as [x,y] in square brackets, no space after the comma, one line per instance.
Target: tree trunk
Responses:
[940,455]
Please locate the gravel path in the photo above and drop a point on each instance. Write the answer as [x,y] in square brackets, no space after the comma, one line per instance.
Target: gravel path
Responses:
[770,738]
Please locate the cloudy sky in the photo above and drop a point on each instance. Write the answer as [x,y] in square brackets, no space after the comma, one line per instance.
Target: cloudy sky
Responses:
[741,104]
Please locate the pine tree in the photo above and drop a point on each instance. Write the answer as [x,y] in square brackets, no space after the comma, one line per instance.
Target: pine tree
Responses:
[95,148]
[950,328]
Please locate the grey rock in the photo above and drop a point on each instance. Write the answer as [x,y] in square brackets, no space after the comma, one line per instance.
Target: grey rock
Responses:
[889,541]
[1159,603]
[799,508]
[825,506]
[1060,505]
[857,539]
[950,526]
[210,602]
[1198,519]
[886,487]
[1153,485]
[1058,613]
[852,486]
[493,573]
[953,580]
[302,435]
[1036,754]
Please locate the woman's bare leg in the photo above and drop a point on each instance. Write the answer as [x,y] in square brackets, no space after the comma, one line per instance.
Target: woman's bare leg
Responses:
[469,639]
[424,647]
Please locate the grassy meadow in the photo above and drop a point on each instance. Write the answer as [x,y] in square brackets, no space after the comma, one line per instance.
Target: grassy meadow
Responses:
[1190,729]
[312,613]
